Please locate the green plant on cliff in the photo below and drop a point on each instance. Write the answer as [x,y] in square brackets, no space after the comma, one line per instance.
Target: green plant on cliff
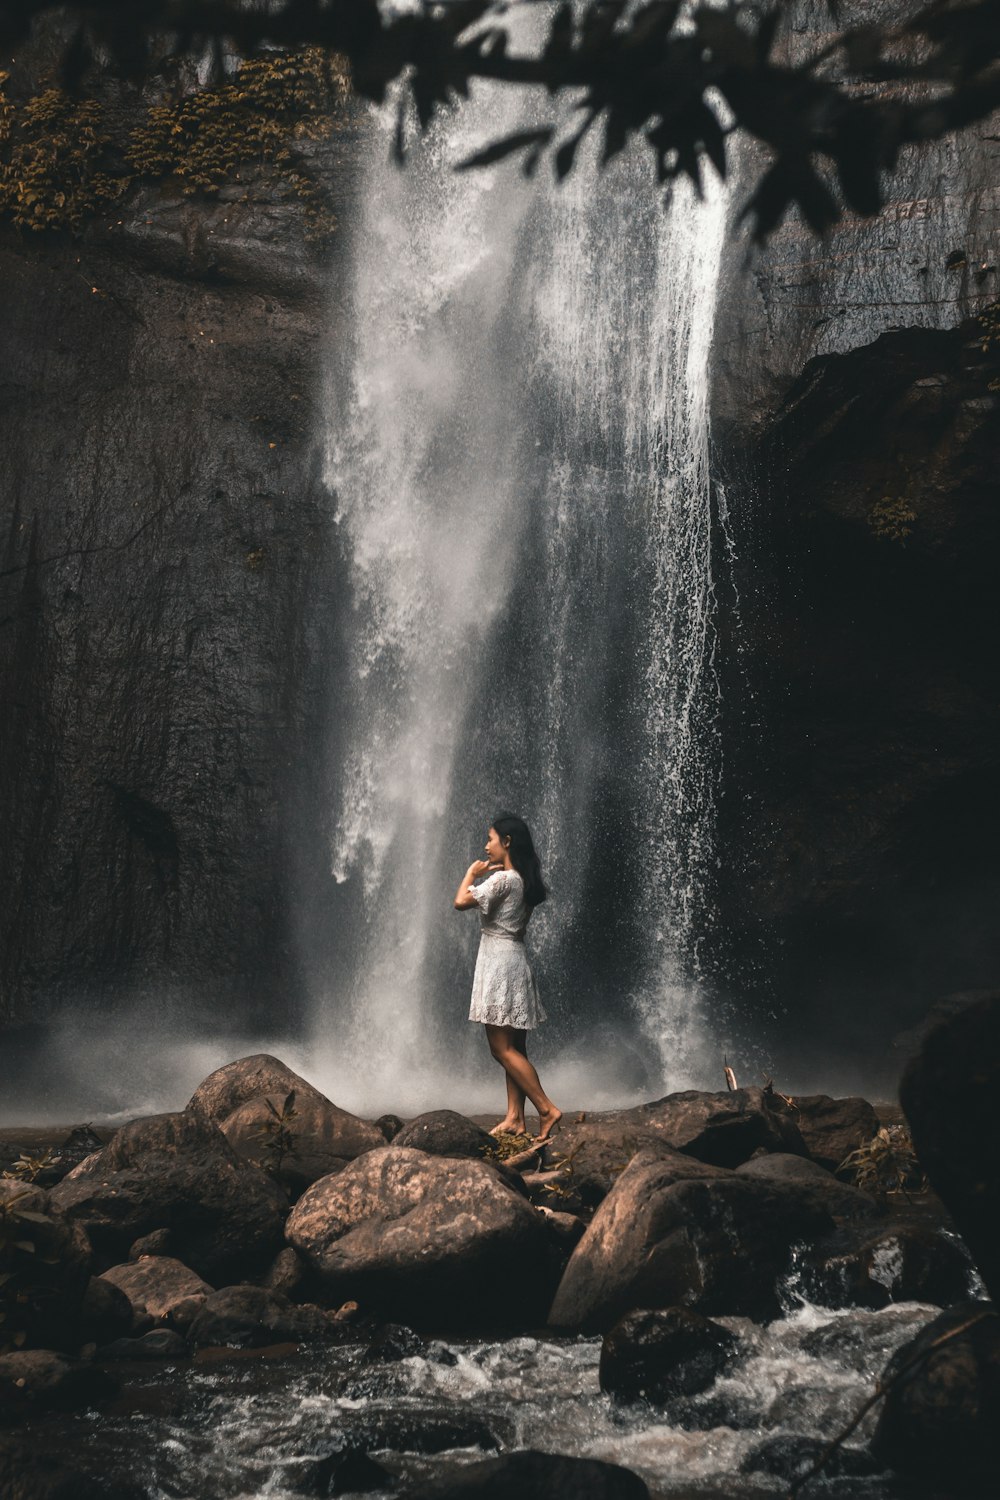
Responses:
[891,518]
[51,154]
[60,162]
[261,116]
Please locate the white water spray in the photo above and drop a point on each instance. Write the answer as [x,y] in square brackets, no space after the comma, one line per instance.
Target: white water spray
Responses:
[523,395]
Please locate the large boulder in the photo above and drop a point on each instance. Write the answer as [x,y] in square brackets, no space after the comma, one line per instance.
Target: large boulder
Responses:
[722,1128]
[106,1314]
[43,1380]
[814,1183]
[28,1474]
[659,1354]
[431,1240]
[949,1094]
[323,1138]
[867,1265]
[45,1264]
[675,1231]
[177,1172]
[246,1098]
[443,1132]
[833,1128]
[940,1418]
[156,1284]
[251,1317]
[223,1091]
[529,1475]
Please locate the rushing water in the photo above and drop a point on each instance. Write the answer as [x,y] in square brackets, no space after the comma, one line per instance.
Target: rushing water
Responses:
[519,453]
[253,1428]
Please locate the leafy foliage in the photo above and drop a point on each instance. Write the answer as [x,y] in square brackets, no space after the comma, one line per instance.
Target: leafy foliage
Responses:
[59,163]
[681,78]
[891,518]
[30,1168]
[278,1139]
[885,1164]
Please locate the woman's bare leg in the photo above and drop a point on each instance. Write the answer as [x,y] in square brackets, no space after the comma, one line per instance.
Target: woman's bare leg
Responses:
[513,1120]
[515,1063]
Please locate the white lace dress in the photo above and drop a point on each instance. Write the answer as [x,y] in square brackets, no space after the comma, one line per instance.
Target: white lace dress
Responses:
[503,987]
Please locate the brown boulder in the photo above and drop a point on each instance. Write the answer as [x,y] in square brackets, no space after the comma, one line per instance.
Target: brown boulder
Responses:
[177,1172]
[324,1138]
[833,1128]
[41,1380]
[657,1355]
[223,1091]
[815,1183]
[677,1232]
[46,1265]
[431,1240]
[156,1284]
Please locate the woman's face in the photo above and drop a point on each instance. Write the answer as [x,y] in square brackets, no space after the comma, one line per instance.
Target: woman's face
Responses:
[494,848]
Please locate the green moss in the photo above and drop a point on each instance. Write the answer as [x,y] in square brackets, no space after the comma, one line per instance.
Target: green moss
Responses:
[59,165]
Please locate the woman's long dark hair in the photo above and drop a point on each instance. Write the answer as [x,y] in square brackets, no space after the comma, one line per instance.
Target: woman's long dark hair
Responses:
[522,855]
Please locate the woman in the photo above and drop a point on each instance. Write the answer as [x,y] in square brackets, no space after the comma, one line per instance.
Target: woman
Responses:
[504,996]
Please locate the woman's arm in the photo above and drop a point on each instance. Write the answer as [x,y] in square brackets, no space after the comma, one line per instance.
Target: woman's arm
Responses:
[463,896]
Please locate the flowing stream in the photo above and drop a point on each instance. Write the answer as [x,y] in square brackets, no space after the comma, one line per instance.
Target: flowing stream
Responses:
[519,455]
[254,1427]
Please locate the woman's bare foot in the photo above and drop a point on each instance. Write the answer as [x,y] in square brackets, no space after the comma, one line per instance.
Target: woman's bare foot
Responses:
[509,1127]
[548,1123]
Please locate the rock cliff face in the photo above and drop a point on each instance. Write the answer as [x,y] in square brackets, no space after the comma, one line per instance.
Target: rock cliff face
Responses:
[167,596]
[169,591]
[856,413]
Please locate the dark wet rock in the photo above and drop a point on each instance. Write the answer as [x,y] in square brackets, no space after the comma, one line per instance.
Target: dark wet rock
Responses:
[949,1093]
[723,1129]
[939,1421]
[534,1476]
[402,1431]
[393,1341]
[251,1317]
[106,1313]
[184,1312]
[814,1183]
[159,1343]
[897,1262]
[42,1380]
[428,1239]
[349,1471]
[442,1132]
[47,1266]
[791,1457]
[389,1125]
[703,1412]
[157,1243]
[27,1474]
[177,1171]
[676,1232]
[286,1273]
[157,1284]
[658,1355]
[833,1128]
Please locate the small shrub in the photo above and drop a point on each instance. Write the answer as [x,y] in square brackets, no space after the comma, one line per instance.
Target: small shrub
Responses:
[885,1164]
[891,518]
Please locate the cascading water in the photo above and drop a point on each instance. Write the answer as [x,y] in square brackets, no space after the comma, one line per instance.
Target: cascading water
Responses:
[520,459]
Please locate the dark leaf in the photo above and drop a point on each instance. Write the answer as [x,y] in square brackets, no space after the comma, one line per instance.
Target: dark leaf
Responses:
[498,150]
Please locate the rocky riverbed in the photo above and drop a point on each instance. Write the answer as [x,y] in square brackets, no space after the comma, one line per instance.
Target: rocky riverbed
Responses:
[261,1294]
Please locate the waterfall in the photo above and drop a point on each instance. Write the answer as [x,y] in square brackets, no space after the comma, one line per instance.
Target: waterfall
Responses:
[519,458]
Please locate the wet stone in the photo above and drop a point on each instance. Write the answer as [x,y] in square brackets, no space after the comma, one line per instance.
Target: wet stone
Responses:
[534,1476]
[160,1343]
[792,1457]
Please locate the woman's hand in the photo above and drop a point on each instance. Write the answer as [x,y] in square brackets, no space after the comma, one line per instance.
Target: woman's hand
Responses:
[480,867]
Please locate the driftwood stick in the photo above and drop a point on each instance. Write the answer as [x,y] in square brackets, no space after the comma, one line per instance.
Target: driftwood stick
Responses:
[880,1391]
[523,1159]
